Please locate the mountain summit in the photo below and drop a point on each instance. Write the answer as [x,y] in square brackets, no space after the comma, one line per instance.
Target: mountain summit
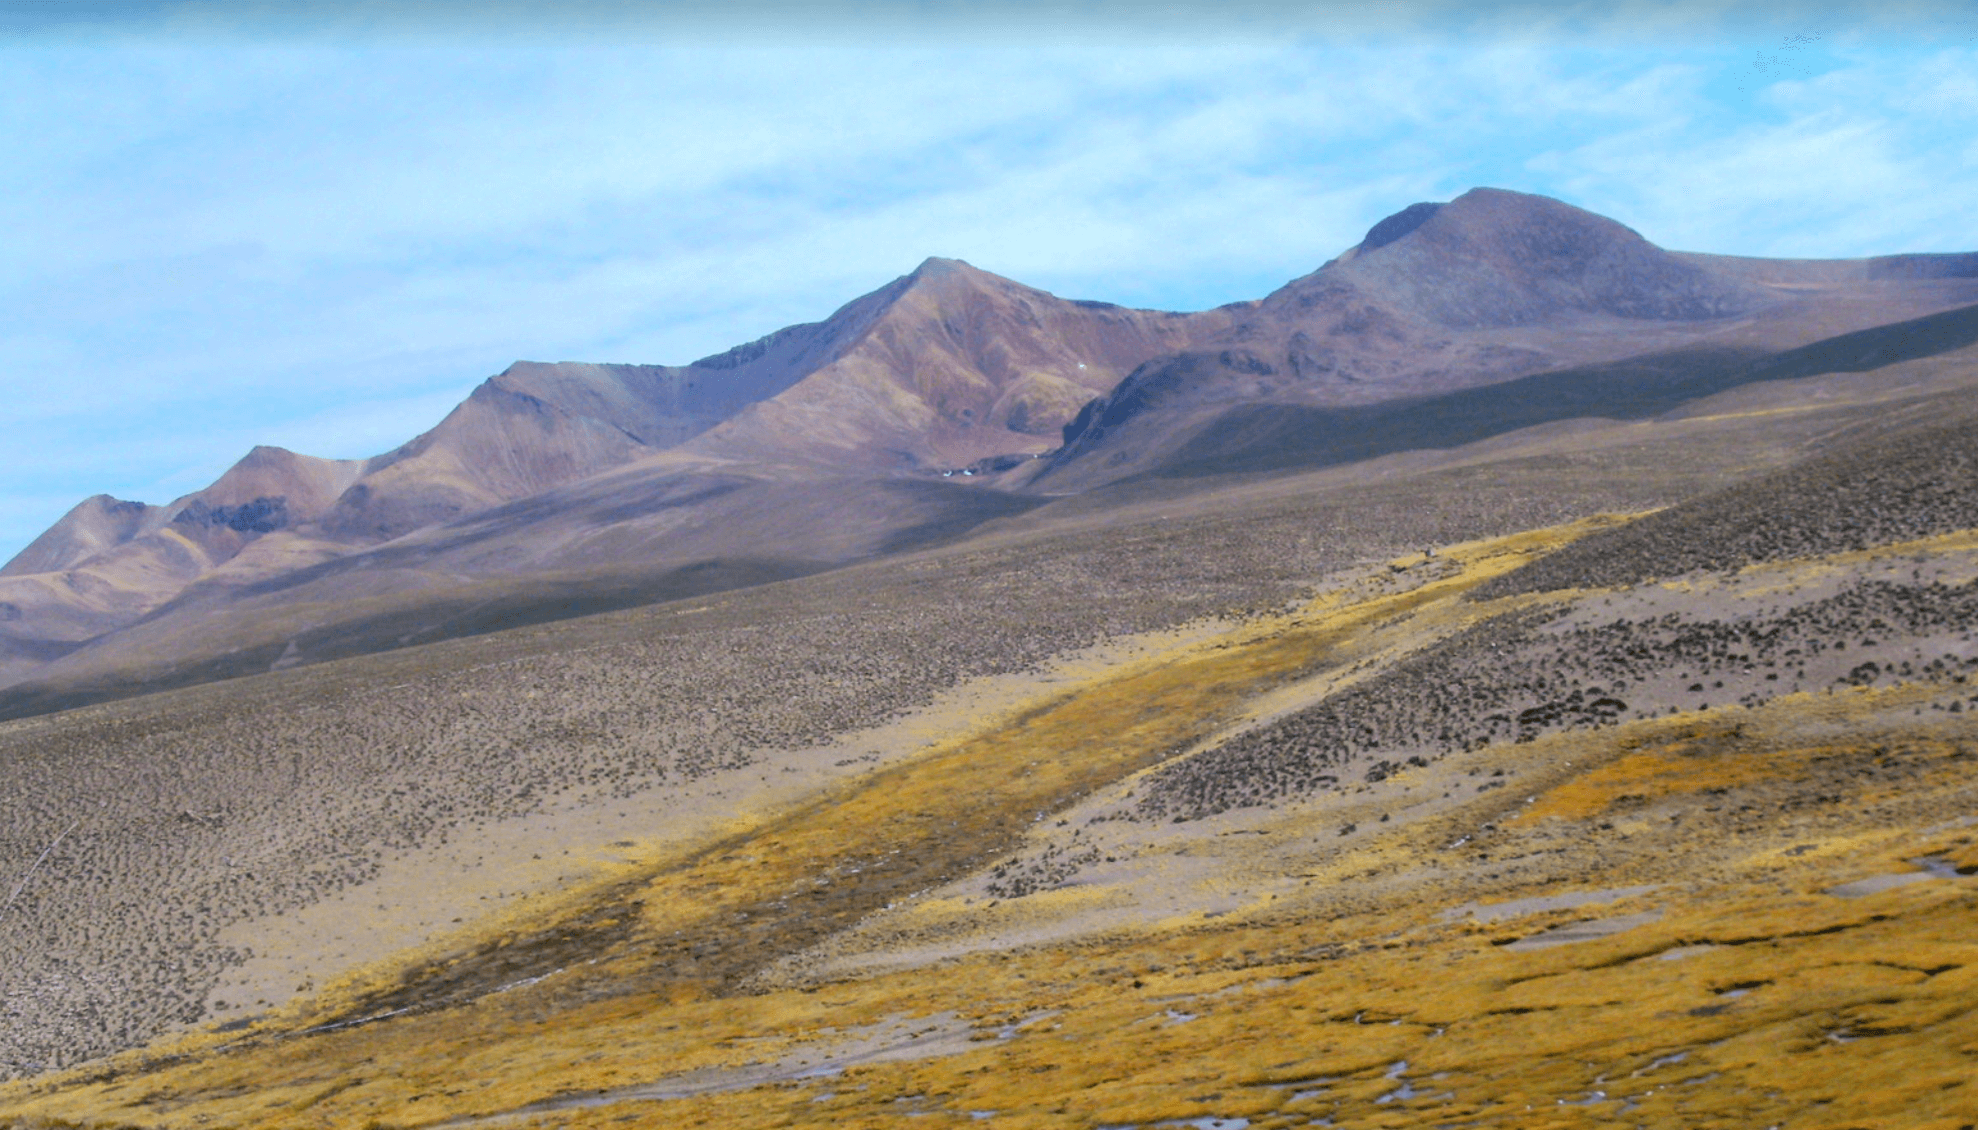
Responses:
[879,427]
[1483,291]
[1497,258]
[947,365]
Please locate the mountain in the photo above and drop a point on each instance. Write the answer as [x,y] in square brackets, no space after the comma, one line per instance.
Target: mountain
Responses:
[1451,321]
[109,562]
[502,443]
[535,426]
[96,524]
[946,399]
[939,368]
[1512,664]
[1492,258]
[269,489]
[950,365]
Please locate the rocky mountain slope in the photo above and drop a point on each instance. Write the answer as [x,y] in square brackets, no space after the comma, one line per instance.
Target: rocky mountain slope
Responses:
[108,561]
[954,365]
[938,368]
[1420,335]
[582,487]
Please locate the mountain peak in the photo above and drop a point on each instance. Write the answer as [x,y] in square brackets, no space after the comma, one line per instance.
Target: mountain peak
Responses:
[944,366]
[91,526]
[1496,216]
[1507,210]
[1492,257]
[270,455]
[936,267]
[952,276]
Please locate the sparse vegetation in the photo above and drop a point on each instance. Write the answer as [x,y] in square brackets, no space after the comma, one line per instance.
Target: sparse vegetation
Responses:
[214,804]
[1875,492]
[1365,753]
[1522,674]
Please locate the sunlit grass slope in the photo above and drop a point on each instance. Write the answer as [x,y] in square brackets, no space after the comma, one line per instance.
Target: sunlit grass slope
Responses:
[1733,917]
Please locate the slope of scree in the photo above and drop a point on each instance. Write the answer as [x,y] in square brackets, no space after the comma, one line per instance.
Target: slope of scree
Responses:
[1269,437]
[1883,490]
[1528,671]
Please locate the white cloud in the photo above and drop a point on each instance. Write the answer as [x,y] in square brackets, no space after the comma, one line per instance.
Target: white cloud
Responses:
[1840,164]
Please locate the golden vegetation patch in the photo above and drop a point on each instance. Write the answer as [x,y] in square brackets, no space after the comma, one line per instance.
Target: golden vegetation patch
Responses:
[1739,1002]
[1739,991]
[1690,765]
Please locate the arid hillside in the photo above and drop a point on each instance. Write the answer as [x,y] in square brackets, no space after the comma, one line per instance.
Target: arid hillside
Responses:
[954,365]
[1499,310]
[108,562]
[1323,796]
[1513,676]
[934,371]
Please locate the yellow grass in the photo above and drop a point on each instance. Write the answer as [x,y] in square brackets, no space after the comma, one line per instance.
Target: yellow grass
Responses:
[1755,996]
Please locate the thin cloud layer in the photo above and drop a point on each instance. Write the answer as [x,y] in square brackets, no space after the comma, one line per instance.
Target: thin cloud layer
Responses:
[322,236]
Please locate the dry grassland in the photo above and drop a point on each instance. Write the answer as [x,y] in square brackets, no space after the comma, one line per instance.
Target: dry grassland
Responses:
[1728,917]
[207,810]
[1092,912]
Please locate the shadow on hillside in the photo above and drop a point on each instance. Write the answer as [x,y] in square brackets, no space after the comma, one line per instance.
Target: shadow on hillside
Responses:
[1270,437]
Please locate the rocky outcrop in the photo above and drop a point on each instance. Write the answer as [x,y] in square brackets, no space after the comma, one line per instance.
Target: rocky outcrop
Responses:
[1398,225]
[258,516]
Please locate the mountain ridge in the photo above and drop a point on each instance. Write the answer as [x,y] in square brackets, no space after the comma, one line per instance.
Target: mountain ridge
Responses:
[1438,328]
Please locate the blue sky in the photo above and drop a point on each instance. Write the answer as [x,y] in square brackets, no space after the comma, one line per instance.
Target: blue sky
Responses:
[320,225]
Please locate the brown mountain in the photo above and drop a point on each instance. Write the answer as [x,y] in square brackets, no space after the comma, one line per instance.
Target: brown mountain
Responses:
[559,489]
[1560,311]
[1494,258]
[938,368]
[108,562]
[269,489]
[97,523]
[948,365]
